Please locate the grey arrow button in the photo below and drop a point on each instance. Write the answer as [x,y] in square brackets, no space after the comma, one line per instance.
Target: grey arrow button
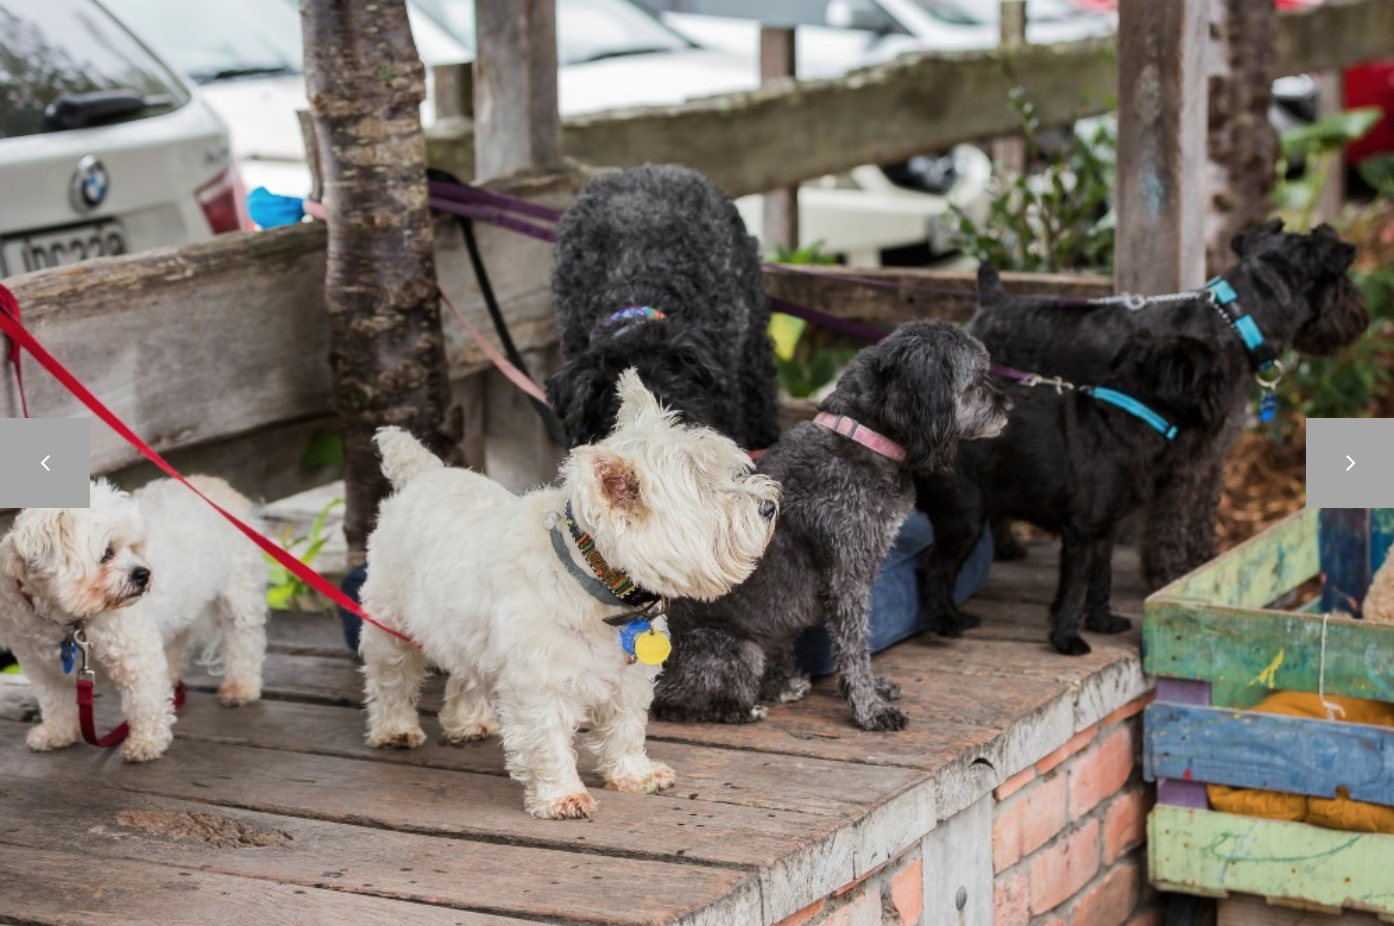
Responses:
[44,463]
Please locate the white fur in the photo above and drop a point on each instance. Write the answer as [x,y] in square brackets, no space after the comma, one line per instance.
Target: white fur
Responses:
[207,583]
[468,570]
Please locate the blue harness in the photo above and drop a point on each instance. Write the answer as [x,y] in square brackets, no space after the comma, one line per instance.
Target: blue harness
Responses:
[1133,407]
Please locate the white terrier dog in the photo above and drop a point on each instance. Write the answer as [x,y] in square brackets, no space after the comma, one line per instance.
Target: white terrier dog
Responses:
[145,599]
[502,592]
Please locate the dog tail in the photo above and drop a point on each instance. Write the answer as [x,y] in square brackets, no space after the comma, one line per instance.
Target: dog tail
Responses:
[403,456]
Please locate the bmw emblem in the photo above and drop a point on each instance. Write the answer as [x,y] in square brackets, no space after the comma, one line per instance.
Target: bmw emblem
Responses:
[89,185]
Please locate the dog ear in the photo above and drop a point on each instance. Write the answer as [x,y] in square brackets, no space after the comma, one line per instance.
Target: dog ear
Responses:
[989,284]
[616,479]
[920,411]
[575,395]
[34,544]
[1244,242]
[1329,252]
[636,402]
[1339,315]
[11,563]
[1188,377]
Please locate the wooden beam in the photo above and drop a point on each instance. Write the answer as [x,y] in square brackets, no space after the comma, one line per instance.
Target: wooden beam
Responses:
[453,91]
[1161,145]
[760,140]
[1009,151]
[1335,35]
[515,86]
[781,206]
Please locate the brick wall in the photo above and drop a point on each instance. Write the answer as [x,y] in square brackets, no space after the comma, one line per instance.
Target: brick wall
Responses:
[1067,846]
[1067,833]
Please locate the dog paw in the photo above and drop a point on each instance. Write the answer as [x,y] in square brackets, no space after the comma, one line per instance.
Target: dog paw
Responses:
[1070,644]
[888,689]
[796,689]
[236,694]
[401,739]
[579,806]
[968,620]
[1007,549]
[883,718]
[1107,623]
[469,733]
[47,736]
[659,778]
[146,748]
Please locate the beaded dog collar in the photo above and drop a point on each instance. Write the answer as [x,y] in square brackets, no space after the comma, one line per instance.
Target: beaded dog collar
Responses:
[612,582]
[622,322]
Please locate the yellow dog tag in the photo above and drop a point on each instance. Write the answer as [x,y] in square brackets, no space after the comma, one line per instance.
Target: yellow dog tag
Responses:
[652,648]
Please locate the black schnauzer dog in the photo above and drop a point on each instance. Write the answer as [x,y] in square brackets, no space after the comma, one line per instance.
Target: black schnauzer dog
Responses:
[899,410]
[1294,292]
[1072,461]
[654,270]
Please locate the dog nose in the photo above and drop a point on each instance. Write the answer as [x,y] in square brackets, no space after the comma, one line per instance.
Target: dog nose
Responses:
[767,510]
[140,577]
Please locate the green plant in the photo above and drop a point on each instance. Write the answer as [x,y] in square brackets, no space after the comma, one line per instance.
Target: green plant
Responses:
[803,367]
[287,590]
[1058,218]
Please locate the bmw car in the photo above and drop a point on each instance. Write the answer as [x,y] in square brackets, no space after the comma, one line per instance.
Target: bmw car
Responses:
[103,149]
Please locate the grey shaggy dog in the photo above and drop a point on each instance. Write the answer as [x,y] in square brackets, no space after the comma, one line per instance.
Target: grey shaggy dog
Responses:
[926,387]
[662,236]
[1294,287]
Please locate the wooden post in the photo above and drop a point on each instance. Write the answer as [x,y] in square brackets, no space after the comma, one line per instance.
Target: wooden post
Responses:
[515,86]
[453,94]
[781,210]
[1333,192]
[1242,147]
[1161,145]
[1009,151]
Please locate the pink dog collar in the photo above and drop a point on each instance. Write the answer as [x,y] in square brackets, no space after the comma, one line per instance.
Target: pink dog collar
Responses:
[861,434]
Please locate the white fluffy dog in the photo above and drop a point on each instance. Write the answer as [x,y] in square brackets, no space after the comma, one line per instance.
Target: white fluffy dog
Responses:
[497,591]
[149,577]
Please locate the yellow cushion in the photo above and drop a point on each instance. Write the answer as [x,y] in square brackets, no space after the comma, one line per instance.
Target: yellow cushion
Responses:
[1340,812]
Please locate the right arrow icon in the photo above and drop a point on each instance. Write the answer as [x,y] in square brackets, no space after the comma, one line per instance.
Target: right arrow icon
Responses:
[1352,463]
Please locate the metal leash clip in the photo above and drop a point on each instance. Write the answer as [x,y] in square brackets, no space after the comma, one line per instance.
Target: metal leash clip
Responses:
[1058,383]
[81,645]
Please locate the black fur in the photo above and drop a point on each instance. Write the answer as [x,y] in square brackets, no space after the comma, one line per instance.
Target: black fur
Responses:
[1296,289]
[663,236]
[1070,463]
[925,387]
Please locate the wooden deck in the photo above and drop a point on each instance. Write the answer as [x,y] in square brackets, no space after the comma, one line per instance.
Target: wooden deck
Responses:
[278,811]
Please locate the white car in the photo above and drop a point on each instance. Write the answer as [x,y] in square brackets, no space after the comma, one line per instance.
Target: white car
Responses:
[611,54]
[103,149]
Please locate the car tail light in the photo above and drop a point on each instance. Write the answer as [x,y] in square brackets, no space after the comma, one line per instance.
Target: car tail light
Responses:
[224,203]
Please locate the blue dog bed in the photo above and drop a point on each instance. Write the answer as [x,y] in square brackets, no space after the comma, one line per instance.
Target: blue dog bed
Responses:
[895,598]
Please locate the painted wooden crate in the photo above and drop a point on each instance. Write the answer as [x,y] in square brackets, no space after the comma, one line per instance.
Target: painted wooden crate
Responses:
[1218,641]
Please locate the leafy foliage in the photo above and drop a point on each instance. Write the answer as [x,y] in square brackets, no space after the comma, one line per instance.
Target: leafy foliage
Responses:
[286,590]
[1058,218]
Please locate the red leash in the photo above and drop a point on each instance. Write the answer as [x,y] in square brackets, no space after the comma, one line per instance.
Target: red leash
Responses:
[20,337]
[9,309]
[86,690]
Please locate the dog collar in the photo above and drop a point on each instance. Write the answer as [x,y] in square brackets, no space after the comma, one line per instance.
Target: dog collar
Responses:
[863,435]
[623,321]
[1262,357]
[609,585]
[1133,407]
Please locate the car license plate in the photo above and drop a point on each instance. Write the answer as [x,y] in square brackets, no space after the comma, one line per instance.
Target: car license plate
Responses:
[22,254]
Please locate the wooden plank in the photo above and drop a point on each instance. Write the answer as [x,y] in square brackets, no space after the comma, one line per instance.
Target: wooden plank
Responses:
[780,211]
[1161,145]
[515,86]
[1347,32]
[1245,749]
[800,857]
[1267,650]
[764,781]
[891,295]
[958,869]
[1175,791]
[1343,544]
[1246,910]
[1256,572]
[64,811]
[758,140]
[64,887]
[1209,853]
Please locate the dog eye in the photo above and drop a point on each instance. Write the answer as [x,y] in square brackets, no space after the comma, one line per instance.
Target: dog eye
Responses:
[108,555]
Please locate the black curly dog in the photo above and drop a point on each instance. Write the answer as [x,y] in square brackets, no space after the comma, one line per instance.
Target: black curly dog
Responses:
[662,237]
[1071,463]
[1295,289]
[926,387]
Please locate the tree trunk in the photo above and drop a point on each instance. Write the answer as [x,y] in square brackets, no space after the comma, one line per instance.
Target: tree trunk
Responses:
[1243,147]
[365,83]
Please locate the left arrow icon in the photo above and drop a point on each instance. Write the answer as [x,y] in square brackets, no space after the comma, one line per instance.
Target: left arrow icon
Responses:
[44,463]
